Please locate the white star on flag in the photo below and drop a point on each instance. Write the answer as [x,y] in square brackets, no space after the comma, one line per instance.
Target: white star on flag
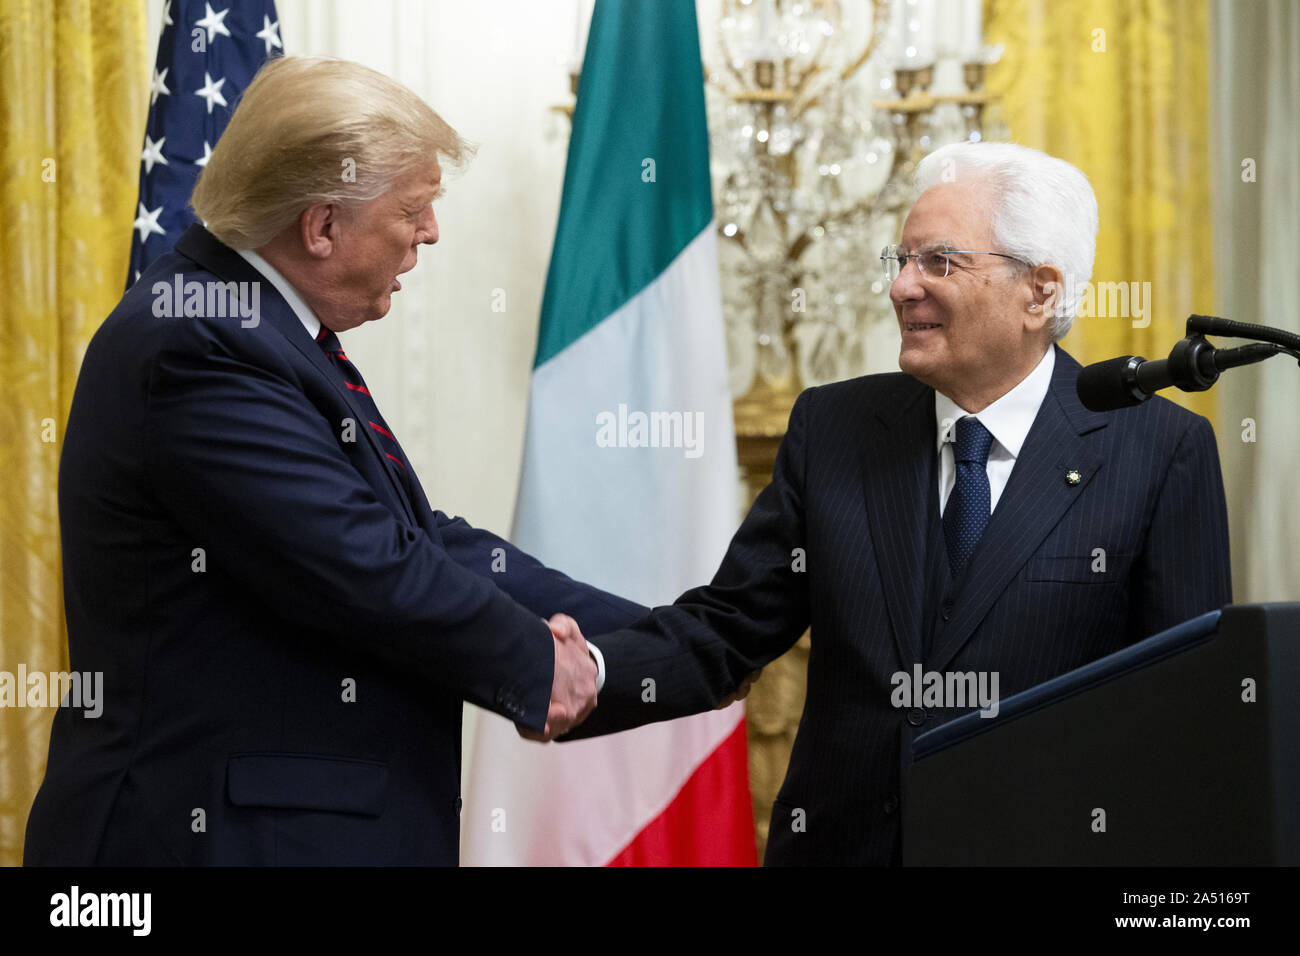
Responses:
[181,135]
[159,85]
[153,153]
[210,91]
[213,22]
[270,32]
[147,222]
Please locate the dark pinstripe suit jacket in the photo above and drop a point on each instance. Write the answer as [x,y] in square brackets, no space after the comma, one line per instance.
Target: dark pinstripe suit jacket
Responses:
[853,494]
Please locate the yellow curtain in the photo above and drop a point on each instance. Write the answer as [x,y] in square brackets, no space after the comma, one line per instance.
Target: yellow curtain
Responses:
[74,88]
[1120,88]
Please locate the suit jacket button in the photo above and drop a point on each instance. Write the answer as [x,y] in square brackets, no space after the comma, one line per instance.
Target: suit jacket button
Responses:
[890,805]
[916,716]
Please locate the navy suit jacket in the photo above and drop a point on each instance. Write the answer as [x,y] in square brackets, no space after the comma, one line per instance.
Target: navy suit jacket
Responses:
[839,541]
[285,638]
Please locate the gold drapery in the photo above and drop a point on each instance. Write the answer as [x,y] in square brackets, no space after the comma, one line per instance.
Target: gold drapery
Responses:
[74,84]
[1120,88]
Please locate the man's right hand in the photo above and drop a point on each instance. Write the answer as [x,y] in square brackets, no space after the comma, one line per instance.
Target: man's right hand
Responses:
[573,690]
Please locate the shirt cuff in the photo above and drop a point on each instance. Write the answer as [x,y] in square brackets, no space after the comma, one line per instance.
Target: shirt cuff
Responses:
[599,658]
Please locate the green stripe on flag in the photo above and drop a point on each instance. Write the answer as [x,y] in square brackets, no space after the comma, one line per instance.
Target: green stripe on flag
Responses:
[640,112]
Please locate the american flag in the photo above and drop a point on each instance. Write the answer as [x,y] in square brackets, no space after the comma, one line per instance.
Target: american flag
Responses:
[206,58]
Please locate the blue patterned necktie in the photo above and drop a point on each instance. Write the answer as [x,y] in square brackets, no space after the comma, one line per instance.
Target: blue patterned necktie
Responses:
[393,453]
[968,508]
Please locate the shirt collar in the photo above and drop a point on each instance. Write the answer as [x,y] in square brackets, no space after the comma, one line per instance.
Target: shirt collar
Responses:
[300,308]
[1010,417]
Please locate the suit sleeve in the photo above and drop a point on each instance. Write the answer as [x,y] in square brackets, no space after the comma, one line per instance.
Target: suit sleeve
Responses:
[542,590]
[686,657]
[251,470]
[1184,567]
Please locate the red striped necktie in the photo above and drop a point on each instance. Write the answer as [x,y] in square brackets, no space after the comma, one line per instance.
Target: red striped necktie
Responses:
[333,348]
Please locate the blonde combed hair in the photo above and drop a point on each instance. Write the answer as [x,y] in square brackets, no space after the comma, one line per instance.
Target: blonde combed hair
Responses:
[300,127]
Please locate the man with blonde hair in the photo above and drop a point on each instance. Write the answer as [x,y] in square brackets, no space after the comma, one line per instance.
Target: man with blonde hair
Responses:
[287,630]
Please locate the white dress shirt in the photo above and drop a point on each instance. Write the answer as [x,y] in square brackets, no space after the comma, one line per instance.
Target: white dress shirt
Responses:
[300,308]
[312,325]
[1008,420]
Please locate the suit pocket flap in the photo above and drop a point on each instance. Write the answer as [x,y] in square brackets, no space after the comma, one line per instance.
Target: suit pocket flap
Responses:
[307,782]
[1077,568]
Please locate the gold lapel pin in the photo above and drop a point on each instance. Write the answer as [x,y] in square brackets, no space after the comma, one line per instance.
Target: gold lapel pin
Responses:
[1072,477]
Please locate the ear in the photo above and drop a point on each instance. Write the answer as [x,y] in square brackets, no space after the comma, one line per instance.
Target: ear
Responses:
[1046,291]
[318,229]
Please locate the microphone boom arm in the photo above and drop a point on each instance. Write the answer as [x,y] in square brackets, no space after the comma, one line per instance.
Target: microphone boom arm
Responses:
[1193,364]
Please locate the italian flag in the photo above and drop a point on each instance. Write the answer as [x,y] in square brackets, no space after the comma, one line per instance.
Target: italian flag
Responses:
[629,476]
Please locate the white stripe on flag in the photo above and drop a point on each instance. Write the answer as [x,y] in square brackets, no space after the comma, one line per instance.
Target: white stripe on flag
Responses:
[646,523]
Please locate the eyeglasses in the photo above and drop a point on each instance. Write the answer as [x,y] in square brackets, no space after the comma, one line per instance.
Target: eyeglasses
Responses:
[933,261]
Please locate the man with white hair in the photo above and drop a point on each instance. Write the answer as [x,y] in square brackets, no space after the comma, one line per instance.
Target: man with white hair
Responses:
[286,629]
[967,515]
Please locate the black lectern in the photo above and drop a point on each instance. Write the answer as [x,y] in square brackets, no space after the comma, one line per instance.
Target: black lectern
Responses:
[1183,749]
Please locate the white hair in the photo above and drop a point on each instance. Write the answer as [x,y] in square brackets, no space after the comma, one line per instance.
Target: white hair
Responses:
[1044,210]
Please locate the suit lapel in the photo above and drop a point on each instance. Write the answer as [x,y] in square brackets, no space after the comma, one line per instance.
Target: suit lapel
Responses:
[219,259]
[1035,499]
[896,472]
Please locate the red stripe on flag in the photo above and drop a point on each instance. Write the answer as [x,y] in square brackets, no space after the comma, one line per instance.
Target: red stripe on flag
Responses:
[396,459]
[711,820]
[357,388]
[382,430]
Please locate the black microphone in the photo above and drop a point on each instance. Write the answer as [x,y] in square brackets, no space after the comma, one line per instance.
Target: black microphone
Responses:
[1106,386]
[1193,366]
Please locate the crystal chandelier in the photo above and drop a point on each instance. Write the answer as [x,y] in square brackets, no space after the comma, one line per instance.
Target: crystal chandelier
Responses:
[818,113]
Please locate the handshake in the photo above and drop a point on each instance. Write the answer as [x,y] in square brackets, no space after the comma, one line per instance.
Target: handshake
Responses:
[573,690]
